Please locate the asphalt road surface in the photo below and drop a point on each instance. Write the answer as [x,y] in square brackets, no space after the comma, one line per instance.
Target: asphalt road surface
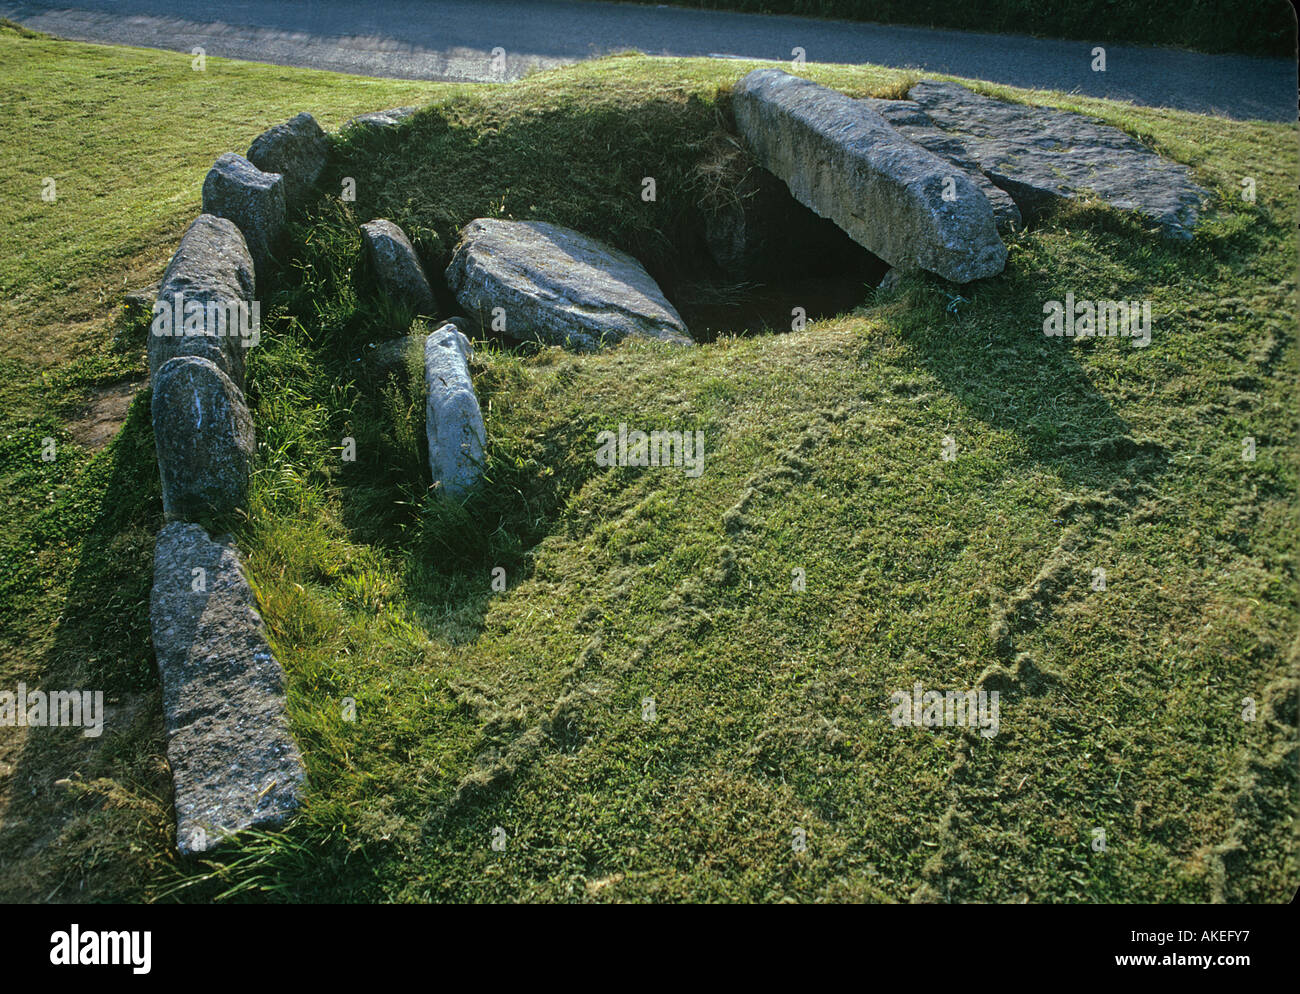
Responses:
[457,39]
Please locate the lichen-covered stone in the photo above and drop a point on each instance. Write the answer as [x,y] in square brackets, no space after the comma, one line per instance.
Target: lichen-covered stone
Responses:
[234,764]
[912,122]
[236,189]
[453,421]
[380,119]
[211,265]
[843,160]
[297,149]
[204,437]
[396,266]
[557,286]
[1042,156]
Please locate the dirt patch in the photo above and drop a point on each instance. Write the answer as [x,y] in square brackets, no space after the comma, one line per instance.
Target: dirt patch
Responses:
[105,413]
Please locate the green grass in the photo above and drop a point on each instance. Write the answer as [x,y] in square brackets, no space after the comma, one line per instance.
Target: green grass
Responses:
[523,709]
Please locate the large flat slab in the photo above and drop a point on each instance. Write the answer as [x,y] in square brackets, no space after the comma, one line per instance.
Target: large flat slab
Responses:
[234,764]
[1042,156]
[556,285]
[843,160]
[909,120]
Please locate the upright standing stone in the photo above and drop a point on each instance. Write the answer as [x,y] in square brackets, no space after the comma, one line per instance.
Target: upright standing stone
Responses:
[204,437]
[211,268]
[843,160]
[555,285]
[234,764]
[397,268]
[297,150]
[453,421]
[236,189]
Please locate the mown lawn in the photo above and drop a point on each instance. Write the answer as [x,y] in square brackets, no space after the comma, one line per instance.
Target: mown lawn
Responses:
[518,716]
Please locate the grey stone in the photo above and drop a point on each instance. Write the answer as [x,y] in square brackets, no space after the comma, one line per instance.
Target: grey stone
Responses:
[463,324]
[397,267]
[389,358]
[843,160]
[204,437]
[558,286]
[890,280]
[453,421]
[234,764]
[236,189]
[908,119]
[380,119]
[211,266]
[1042,156]
[297,149]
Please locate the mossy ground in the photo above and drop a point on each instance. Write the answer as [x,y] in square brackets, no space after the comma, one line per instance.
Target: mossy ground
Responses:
[522,710]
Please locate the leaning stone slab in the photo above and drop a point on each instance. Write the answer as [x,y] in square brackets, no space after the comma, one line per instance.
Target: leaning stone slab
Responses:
[453,421]
[211,268]
[204,437]
[557,286]
[234,764]
[909,120]
[843,160]
[297,150]
[397,267]
[236,189]
[380,119]
[1042,156]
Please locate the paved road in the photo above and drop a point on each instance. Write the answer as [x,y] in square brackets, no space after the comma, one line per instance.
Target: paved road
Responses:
[455,39]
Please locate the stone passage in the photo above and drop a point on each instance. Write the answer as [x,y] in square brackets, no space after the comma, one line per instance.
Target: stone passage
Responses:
[557,286]
[453,421]
[234,765]
[1041,156]
[908,206]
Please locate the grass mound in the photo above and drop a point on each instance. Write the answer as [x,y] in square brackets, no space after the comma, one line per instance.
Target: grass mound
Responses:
[651,709]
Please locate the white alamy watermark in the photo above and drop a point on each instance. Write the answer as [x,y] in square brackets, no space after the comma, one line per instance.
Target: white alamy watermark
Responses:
[1098,319]
[946,709]
[684,449]
[55,709]
[98,948]
[240,319]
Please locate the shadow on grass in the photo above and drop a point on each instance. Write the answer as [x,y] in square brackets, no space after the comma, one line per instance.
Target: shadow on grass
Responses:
[986,345]
[101,642]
